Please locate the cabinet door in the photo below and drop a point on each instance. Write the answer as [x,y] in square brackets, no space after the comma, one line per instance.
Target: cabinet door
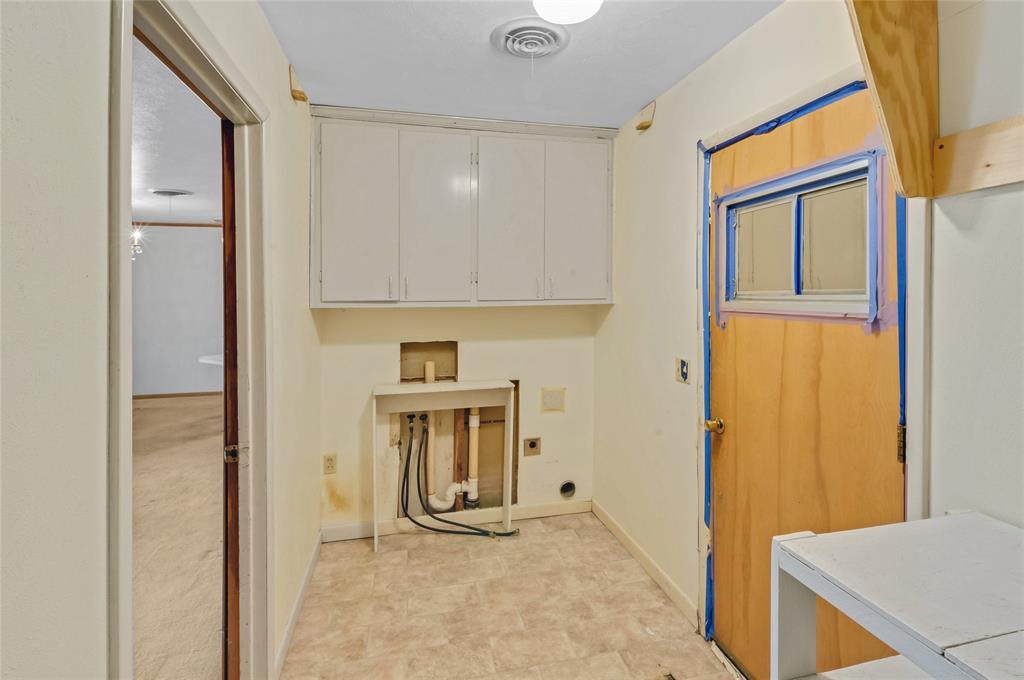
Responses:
[576,233]
[436,216]
[358,212]
[510,210]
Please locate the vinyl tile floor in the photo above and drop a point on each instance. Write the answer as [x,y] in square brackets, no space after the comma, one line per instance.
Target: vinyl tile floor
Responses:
[177,505]
[561,601]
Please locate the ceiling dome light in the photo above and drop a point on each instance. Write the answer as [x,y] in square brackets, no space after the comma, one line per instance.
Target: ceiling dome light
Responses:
[566,12]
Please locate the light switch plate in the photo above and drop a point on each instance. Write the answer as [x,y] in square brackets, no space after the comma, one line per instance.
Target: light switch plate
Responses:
[682,370]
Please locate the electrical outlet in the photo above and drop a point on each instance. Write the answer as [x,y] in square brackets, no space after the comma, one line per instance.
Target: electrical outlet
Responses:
[682,370]
[330,464]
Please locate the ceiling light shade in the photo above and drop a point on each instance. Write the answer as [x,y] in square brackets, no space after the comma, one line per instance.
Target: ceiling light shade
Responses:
[566,11]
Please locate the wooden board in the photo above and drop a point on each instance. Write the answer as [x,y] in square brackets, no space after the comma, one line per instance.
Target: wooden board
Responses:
[898,42]
[979,158]
[810,411]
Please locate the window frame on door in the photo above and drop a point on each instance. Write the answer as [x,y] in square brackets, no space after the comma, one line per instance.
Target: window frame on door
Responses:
[792,188]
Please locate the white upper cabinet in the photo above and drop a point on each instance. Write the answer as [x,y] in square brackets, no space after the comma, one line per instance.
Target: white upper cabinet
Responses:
[577,230]
[510,215]
[436,216]
[358,195]
[412,214]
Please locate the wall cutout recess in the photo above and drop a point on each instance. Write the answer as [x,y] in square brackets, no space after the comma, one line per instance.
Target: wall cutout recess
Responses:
[568,489]
[531,447]
[552,399]
[444,354]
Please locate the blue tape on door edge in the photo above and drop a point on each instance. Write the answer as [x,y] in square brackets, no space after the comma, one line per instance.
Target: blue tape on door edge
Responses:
[814,105]
[901,298]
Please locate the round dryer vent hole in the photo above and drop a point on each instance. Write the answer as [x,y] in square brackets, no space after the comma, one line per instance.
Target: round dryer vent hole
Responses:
[568,489]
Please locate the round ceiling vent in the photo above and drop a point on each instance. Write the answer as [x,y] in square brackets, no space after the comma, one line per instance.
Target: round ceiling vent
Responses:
[530,38]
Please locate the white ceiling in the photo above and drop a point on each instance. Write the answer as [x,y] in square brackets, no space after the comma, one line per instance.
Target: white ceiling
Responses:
[435,56]
[175,144]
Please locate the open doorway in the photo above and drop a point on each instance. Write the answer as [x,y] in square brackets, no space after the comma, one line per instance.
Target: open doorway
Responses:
[184,379]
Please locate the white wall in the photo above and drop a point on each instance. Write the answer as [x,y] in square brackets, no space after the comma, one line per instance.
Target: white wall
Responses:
[177,310]
[541,347]
[243,31]
[54,356]
[649,448]
[977,419]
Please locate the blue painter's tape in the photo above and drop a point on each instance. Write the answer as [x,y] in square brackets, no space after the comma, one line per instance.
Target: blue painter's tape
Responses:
[901,298]
[798,238]
[872,243]
[709,599]
[809,107]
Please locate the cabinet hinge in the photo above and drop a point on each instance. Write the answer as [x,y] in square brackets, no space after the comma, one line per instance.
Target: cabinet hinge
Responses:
[901,444]
[231,453]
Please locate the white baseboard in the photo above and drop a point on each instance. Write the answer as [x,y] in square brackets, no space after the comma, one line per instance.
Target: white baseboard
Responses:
[653,570]
[282,650]
[350,530]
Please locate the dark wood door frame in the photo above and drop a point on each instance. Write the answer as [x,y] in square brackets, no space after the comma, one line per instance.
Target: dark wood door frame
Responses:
[231,612]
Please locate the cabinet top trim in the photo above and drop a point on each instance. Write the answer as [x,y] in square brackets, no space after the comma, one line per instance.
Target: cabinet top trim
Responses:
[459,123]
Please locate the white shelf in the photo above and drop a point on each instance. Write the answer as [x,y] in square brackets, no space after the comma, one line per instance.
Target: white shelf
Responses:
[440,387]
[929,589]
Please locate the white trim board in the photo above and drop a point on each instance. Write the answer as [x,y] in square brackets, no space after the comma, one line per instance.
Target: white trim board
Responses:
[293,619]
[663,580]
[458,122]
[351,530]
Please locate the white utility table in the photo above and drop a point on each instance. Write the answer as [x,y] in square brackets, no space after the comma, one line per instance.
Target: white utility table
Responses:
[946,593]
[443,396]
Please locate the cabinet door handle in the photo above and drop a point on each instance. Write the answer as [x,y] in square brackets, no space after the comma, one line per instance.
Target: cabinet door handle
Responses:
[406,280]
[389,286]
[551,285]
[538,287]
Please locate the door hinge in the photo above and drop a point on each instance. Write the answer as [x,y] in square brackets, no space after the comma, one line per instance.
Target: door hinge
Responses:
[231,453]
[901,444]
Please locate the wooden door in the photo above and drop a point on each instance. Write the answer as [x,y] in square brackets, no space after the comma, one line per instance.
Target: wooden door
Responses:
[576,207]
[436,216]
[510,235]
[358,212]
[232,616]
[810,409]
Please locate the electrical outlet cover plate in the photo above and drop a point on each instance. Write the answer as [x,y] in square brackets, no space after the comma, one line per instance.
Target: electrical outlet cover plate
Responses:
[682,370]
[330,464]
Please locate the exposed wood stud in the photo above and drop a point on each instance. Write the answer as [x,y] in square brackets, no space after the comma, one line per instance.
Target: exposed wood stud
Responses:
[987,156]
[898,44]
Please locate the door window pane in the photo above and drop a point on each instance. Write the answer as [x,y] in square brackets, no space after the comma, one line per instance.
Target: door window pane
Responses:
[764,247]
[835,239]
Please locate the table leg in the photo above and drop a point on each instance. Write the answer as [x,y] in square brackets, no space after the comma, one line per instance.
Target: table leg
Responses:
[793,652]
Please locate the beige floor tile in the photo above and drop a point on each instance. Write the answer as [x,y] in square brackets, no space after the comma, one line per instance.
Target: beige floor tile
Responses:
[451,661]
[608,666]
[444,599]
[683,659]
[541,619]
[598,636]
[624,571]
[530,648]
[388,668]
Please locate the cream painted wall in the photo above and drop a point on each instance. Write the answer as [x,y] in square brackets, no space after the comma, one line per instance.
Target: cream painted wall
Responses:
[977,419]
[55,75]
[648,443]
[243,31]
[550,346]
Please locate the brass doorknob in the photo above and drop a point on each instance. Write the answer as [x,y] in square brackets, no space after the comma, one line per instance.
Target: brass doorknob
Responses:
[714,425]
